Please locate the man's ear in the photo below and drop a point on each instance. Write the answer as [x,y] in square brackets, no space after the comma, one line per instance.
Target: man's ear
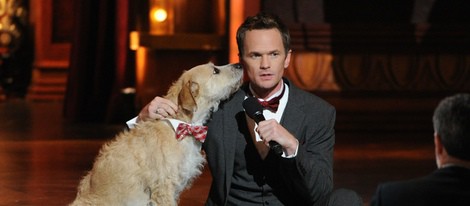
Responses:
[186,97]
[439,151]
[287,60]
[438,147]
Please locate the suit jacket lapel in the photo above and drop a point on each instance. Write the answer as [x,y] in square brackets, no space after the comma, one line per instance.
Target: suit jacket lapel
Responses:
[231,134]
[292,114]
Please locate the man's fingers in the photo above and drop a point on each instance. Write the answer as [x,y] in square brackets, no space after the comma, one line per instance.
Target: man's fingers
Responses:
[169,107]
[158,108]
[165,110]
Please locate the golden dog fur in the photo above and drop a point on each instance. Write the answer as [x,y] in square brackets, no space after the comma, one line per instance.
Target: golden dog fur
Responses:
[146,165]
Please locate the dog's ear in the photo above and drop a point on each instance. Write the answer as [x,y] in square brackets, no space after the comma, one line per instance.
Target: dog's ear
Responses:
[187,97]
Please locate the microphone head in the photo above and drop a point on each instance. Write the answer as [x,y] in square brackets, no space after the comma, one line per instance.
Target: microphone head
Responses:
[252,107]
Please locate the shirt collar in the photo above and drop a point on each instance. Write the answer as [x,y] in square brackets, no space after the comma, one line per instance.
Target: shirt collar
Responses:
[272,96]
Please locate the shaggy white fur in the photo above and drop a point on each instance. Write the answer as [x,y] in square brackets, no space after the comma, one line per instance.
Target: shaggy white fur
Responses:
[147,165]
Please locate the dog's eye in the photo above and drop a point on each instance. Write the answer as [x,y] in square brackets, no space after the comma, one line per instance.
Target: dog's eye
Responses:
[216,71]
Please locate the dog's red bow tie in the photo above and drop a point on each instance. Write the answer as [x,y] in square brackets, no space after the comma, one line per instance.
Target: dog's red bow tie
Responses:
[198,132]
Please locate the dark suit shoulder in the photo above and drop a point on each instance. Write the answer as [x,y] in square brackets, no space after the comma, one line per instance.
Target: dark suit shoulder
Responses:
[306,100]
[428,190]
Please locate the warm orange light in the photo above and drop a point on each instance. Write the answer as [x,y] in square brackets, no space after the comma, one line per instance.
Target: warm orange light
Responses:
[236,16]
[141,65]
[159,15]
[134,40]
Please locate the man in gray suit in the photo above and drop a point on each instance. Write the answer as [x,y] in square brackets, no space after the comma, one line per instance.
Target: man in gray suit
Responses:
[450,184]
[245,171]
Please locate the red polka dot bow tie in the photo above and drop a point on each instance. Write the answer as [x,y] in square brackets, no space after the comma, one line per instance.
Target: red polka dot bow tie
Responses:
[198,132]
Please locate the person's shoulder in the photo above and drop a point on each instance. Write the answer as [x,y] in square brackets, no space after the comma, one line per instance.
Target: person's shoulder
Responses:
[234,101]
[308,99]
[453,170]
[396,185]
[409,186]
[426,190]
[394,193]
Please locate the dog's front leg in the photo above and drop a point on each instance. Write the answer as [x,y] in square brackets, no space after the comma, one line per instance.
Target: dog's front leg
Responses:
[164,196]
[148,191]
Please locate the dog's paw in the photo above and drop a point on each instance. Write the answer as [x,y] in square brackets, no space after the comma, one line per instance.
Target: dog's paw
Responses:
[148,191]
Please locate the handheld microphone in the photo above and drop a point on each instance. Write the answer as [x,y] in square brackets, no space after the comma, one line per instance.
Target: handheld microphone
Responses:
[255,111]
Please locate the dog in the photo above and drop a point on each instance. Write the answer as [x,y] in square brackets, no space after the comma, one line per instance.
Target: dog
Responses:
[147,165]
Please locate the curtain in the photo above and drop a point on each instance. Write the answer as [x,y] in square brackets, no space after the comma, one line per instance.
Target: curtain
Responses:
[99,61]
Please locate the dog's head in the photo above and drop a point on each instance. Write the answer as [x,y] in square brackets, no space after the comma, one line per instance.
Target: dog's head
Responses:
[199,90]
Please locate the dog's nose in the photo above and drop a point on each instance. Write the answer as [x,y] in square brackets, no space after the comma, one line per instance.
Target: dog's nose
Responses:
[238,66]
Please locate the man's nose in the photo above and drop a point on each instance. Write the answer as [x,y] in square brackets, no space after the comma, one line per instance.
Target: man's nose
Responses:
[265,63]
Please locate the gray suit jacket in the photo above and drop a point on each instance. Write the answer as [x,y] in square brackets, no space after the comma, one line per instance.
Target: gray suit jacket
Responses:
[296,181]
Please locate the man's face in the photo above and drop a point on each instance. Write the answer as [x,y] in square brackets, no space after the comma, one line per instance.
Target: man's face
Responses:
[264,60]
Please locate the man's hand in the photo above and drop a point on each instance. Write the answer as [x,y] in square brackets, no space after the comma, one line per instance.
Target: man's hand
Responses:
[158,108]
[271,130]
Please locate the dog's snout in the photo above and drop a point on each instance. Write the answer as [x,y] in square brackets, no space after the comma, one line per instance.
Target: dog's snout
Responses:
[238,66]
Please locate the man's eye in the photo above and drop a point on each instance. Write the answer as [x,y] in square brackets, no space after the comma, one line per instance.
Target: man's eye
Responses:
[216,71]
